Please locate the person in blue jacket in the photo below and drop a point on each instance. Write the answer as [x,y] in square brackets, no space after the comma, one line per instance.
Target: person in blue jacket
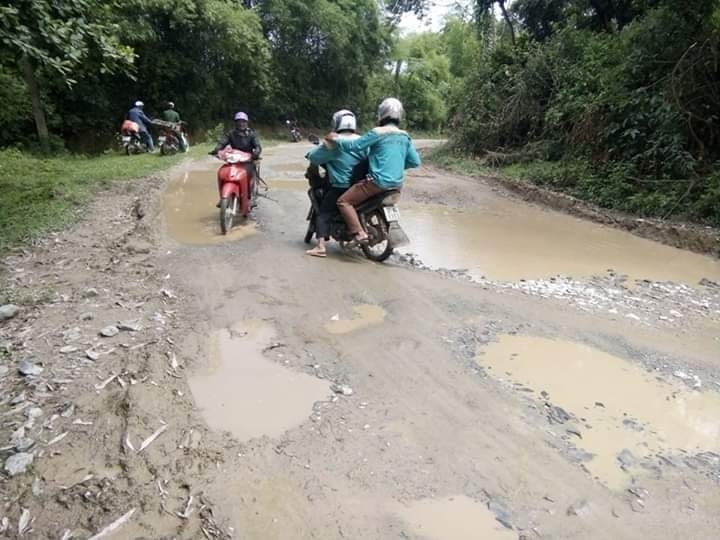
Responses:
[390,151]
[340,167]
[137,115]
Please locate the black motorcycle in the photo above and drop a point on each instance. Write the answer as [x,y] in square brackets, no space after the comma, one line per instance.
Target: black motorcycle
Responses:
[379,217]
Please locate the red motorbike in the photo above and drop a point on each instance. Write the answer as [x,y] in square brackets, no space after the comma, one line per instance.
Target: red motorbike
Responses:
[237,184]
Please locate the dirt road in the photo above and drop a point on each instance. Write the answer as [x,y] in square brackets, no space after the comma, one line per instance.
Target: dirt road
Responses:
[513,373]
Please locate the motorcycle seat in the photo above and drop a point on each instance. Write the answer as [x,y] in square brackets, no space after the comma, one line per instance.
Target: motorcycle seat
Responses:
[386,198]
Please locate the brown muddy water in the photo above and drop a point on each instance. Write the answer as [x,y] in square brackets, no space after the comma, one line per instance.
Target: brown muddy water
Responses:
[238,389]
[453,518]
[618,405]
[366,315]
[508,241]
[190,213]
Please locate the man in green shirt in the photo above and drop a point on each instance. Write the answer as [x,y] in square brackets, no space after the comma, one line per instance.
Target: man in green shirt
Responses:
[171,115]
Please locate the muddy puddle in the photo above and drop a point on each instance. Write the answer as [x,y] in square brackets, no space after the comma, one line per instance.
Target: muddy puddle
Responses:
[190,213]
[243,392]
[365,315]
[453,518]
[509,241]
[622,412]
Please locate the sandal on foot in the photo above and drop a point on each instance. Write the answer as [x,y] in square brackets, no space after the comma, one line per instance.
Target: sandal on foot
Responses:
[315,252]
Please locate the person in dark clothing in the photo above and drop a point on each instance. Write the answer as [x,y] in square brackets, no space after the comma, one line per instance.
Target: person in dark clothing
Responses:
[241,137]
[171,115]
[137,115]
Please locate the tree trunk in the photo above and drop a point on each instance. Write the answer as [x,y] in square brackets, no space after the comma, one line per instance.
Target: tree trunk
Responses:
[37,106]
[506,16]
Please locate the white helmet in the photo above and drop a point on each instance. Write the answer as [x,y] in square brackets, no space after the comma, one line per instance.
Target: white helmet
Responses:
[139,104]
[344,120]
[390,108]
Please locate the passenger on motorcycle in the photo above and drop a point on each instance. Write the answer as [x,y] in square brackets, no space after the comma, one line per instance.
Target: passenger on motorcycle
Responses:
[390,151]
[340,167]
[241,137]
[171,115]
[137,115]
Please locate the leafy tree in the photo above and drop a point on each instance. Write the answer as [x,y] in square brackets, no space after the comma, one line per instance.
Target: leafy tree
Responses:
[59,38]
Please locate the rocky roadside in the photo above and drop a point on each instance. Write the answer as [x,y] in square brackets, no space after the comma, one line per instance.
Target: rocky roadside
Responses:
[96,420]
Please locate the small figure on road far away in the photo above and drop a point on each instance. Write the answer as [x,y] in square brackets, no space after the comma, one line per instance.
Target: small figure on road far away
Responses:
[340,168]
[390,151]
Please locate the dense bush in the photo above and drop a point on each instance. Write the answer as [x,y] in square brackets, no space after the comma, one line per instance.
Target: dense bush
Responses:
[632,95]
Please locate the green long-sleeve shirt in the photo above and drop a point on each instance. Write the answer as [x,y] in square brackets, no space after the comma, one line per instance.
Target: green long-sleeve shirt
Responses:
[390,151]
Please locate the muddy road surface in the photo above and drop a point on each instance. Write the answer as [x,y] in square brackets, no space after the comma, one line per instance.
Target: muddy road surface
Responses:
[512,373]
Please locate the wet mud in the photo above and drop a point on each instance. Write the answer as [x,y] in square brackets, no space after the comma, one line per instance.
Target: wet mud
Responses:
[366,315]
[620,413]
[237,390]
[190,213]
[509,241]
[453,518]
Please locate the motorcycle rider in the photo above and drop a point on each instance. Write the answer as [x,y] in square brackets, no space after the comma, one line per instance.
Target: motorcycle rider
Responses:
[241,137]
[340,167]
[171,115]
[390,151]
[137,115]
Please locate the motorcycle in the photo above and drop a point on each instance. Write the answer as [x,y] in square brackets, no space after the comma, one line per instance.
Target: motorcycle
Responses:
[130,138]
[170,137]
[238,186]
[379,217]
[295,135]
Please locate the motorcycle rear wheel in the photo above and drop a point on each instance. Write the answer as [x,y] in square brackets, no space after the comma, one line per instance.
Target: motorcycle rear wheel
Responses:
[381,250]
[227,208]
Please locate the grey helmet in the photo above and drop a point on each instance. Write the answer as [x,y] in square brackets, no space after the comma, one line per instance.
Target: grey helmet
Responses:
[391,109]
[344,120]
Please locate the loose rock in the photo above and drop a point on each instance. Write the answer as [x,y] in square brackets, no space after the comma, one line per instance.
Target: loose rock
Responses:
[342,389]
[581,508]
[626,459]
[28,368]
[8,311]
[109,331]
[18,463]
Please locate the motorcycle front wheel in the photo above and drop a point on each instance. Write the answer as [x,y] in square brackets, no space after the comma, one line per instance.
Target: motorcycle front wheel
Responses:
[382,247]
[227,213]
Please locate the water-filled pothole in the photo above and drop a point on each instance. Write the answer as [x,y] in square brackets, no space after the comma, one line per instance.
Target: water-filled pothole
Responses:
[508,241]
[247,394]
[622,412]
[367,315]
[453,518]
[190,212]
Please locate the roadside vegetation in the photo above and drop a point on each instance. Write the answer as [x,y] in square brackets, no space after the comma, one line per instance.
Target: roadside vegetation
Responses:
[42,193]
[614,102]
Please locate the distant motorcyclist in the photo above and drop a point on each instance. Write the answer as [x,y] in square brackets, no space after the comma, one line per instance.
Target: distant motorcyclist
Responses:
[340,167]
[137,115]
[171,115]
[390,151]
[241,137]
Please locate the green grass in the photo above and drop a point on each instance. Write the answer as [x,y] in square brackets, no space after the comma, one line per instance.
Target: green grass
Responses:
[39,194]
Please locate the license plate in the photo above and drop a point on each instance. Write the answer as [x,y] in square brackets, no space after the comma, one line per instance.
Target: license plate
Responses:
[126,139]
[161,140]
[392,213]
